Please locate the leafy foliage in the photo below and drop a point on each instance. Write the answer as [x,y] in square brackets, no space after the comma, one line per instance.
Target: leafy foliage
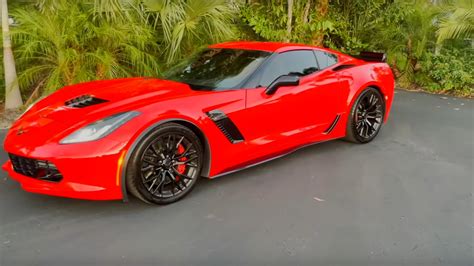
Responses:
[187,24]
[60,42]
[408,40]
[457,23]
[405,29]
[456,20]
[356,22]
[269,20]
[65,42]
[73,44]
[450,71]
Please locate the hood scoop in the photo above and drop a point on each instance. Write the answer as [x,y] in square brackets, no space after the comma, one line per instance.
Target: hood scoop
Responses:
[84,101]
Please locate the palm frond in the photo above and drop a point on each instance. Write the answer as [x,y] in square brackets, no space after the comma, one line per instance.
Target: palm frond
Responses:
[458,24]
[78,44]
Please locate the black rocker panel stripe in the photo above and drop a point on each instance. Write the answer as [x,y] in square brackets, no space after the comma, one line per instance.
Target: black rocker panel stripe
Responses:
[227,127]
[333,125]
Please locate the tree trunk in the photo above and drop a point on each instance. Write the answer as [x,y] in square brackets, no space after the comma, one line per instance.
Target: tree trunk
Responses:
[290,20]
[307,7]
[12,91]
[322,9]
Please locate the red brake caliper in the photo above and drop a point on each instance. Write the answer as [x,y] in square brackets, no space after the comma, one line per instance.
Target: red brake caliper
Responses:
[181,168]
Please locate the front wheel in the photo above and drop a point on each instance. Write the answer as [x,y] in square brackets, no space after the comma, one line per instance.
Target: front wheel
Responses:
[166,165]
[366,117]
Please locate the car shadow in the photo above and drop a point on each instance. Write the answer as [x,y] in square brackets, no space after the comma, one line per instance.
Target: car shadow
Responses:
[205,190]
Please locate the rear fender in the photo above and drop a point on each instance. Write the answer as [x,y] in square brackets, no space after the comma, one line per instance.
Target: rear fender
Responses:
[376,75]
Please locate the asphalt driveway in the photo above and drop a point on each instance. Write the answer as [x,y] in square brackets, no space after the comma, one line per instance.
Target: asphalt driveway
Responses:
[404,199]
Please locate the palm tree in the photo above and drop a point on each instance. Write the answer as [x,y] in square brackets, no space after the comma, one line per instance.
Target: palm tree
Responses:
[72,44]
[12,91]
[457,23]
[407,40]
[187,24]
[63,42]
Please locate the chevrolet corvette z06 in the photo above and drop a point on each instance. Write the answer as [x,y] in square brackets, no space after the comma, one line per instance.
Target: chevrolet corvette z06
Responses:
[231,106]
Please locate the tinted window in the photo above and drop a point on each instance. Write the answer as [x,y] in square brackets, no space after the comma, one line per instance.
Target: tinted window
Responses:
[325,59]
[299,63]
[217,69]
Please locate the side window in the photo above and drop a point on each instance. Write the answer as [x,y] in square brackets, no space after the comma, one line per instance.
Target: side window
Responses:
[325,59]
[301,63]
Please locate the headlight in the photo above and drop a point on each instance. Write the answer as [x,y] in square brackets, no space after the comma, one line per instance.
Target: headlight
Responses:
[99,129]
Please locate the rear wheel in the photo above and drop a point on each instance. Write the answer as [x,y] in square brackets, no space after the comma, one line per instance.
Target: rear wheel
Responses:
[366,117]
[166,165]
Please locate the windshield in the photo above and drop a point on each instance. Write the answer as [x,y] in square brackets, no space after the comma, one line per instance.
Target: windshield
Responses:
[218,69]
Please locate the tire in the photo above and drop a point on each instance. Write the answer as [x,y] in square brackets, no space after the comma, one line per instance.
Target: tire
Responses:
[366,117]
[166,165]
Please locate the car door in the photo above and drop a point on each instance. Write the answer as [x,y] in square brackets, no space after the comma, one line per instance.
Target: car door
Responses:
[293,115]
[332,92]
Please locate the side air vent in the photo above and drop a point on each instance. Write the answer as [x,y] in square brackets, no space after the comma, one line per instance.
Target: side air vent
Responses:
[227,127]
[84,101]
[342,67]
[333,125]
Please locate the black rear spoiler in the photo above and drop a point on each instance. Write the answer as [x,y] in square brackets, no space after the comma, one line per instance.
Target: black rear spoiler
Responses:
[372,57]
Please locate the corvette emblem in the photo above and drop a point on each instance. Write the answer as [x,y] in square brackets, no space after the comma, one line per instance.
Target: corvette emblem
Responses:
[20,131]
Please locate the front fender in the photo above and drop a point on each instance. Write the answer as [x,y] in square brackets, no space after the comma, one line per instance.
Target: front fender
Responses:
[149,127]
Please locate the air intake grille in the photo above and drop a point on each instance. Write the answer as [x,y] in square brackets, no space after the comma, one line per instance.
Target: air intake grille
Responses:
[84,101]
[43,170]
[227,127]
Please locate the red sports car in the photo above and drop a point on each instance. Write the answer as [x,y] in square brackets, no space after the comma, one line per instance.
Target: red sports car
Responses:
[231,106]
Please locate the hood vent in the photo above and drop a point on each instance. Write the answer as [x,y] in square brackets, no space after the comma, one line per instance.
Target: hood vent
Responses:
[84,101]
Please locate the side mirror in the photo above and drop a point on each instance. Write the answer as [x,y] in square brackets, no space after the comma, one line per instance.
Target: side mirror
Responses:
[281,81]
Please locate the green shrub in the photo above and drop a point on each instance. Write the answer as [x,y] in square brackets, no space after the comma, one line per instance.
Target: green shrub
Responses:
[451,71]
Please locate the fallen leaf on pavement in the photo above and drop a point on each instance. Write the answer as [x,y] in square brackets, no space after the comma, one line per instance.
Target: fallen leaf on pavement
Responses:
[318,199]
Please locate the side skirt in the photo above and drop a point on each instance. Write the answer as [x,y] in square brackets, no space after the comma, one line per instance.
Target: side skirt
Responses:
[279,155]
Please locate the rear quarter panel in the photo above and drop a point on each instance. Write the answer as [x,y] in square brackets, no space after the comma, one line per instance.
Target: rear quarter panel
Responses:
[378,75]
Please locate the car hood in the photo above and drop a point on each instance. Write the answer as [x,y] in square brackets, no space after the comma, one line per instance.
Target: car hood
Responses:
[55,112]
[107,95]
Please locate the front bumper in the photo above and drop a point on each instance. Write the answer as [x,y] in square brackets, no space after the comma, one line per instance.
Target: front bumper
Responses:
[89,170]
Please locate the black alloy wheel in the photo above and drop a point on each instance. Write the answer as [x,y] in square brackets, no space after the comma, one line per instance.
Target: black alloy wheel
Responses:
[166,165]
[366,117]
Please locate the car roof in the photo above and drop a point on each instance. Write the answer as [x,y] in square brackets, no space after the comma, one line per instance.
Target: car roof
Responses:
[273,47]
